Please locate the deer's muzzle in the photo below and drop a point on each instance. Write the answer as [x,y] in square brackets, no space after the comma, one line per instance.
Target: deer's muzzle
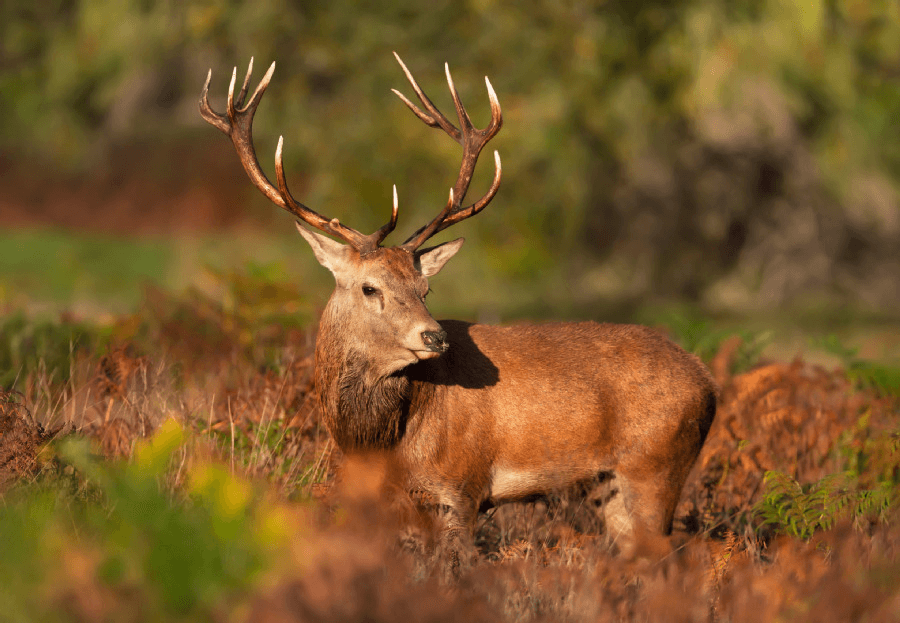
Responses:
[435,341]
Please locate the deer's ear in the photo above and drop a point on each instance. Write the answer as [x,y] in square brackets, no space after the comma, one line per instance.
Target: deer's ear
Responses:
[431,260]
[330,253]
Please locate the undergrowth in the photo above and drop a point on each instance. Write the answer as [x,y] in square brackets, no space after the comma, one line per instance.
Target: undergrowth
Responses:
[802,510]
[173,466]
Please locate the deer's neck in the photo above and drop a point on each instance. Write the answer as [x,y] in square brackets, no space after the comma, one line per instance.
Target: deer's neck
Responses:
[362,409]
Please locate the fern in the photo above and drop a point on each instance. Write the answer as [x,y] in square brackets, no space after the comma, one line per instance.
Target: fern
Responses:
[802,510]
[868,486]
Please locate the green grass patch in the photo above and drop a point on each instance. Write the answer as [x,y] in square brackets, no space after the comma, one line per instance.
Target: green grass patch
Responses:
[58,266]
[29,345]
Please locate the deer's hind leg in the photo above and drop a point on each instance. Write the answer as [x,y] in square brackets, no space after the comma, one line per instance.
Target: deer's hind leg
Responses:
[639,507]
[617,516]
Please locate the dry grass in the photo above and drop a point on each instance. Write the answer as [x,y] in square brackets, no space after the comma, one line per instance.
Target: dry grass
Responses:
[350,548]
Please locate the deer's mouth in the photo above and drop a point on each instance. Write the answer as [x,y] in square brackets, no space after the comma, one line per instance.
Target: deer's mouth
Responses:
[422,355]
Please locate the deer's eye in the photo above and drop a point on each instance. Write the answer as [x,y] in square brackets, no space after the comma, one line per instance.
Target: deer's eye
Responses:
[369,291]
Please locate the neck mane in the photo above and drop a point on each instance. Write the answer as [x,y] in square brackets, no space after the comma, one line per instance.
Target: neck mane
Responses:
[362,409]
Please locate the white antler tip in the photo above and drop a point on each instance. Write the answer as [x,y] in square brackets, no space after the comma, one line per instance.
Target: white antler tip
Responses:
[279,148]
[231,87]
[265,80]
[402,64]
[491,93]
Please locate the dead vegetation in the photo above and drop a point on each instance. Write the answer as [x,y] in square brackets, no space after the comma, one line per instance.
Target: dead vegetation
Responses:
[349,551]
[21,439]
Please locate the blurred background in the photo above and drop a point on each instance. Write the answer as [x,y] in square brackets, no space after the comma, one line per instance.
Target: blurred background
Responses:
[720,158]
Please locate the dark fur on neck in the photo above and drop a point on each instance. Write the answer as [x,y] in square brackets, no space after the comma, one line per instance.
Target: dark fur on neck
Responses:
[363,411]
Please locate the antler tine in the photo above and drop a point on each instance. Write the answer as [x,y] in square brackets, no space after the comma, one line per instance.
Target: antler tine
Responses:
[424,233]
[237,123]
[388,227]
[473,141]
[464,121]
[436,119]
[243,93]
[253,102]
[206,111]
[460,214]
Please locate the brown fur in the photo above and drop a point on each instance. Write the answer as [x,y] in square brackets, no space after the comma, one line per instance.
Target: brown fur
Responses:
[509,413]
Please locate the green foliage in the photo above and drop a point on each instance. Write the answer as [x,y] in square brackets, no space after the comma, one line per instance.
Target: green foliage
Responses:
[255,310]
[701,337]
[666,142]
[801,510]
[867,488]
[179,554]
[28,346]
[260,295]
[883,377]
[870,458]
[252,308]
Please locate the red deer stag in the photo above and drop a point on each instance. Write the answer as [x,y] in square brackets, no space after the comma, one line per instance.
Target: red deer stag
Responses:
[478,415]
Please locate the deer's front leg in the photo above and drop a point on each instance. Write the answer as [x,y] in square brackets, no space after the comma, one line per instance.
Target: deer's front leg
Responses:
[456,541]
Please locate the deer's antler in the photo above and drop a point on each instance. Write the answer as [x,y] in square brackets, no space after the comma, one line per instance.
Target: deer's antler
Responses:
[237,123]
[472,140]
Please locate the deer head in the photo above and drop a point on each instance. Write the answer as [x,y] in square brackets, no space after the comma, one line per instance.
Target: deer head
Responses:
[379,296]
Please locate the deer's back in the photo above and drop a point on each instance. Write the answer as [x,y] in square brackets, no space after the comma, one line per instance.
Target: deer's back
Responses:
[581,397]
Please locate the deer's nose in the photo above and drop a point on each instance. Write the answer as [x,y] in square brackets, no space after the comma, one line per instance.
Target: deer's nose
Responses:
[435,341]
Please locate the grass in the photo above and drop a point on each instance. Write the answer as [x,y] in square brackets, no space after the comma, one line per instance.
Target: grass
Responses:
[188,476]
[197,520]
[96,275]
[59,267]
